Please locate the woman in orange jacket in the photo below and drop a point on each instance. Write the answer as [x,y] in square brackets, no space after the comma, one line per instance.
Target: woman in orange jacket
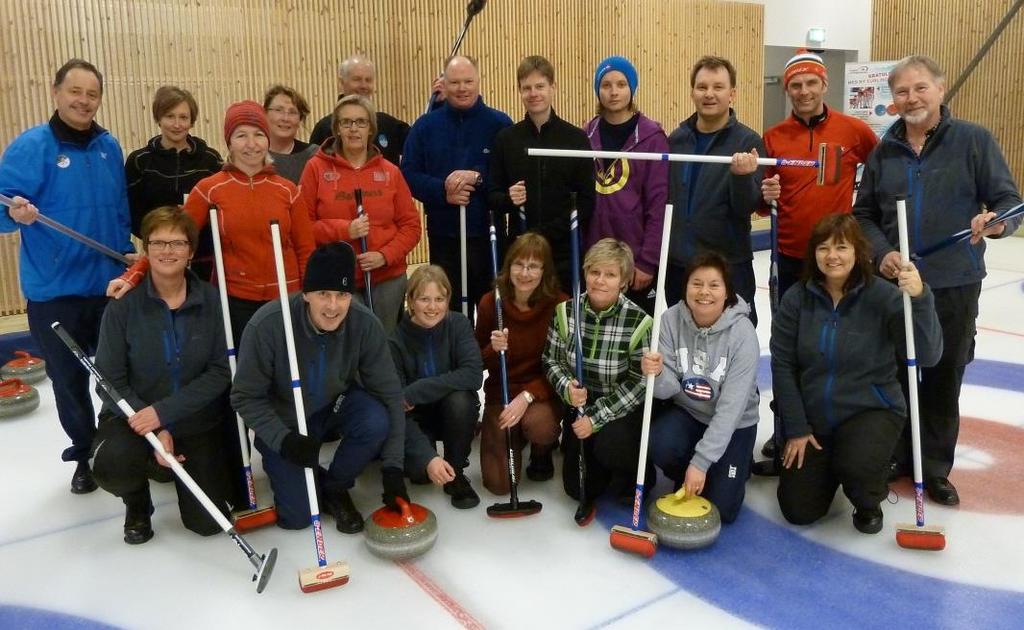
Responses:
[390,225]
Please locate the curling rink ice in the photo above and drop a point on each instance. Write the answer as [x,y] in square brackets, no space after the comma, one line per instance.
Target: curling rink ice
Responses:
[63,563]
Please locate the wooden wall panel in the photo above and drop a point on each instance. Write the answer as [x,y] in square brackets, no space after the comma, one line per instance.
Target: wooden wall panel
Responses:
[226,50]
[952,32]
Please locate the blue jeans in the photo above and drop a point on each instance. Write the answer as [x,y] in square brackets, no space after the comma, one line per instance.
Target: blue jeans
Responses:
[363,425]
[80,317]
[674,437]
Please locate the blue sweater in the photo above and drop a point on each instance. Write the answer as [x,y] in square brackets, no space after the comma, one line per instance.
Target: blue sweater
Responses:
[82,187]
[445,140]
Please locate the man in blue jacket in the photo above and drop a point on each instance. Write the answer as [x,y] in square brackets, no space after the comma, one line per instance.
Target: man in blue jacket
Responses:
[446,161]
[72,170]
[712,203]
[952,175]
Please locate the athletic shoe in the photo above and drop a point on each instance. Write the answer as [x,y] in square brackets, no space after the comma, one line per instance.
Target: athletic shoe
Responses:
[82,481]
[868,521]
[768,450]
[462,494]
[765,468]
[346,517]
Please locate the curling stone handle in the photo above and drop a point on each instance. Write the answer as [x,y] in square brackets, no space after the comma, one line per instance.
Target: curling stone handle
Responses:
[21,354]
[12,385]
[403,505]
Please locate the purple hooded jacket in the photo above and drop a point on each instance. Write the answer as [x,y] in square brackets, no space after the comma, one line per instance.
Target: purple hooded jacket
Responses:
[630,200]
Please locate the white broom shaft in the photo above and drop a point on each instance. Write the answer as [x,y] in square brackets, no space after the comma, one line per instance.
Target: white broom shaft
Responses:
[908,327]
[665,157]
[659,310]
[293,369]
[462,260]
[229,338]
[180,471]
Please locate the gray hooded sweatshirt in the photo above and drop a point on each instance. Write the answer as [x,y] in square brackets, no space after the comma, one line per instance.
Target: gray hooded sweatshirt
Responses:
[711,373]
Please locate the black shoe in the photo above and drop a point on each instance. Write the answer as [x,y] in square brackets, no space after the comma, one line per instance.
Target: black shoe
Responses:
[138,528]
[768,450]
[765,468]
[462,494]
[868,521]
[82,481]
[941,491]
[346,517]
[541,467]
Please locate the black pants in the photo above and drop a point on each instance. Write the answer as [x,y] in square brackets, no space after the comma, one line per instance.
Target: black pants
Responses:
[938,391]
[80,317]
[790,271]
[120,457]
[452,420]
[445,252]
[855,456]
[612,452]
[742,281]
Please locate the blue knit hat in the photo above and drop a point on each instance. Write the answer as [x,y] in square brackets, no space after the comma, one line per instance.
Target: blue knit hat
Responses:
[615,63]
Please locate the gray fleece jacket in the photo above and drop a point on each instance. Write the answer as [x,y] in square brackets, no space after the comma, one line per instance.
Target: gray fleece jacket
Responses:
[830,363]
[711,373]
[329,363]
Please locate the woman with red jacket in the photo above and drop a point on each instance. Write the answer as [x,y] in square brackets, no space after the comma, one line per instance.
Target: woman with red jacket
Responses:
[248,195]
[390,226]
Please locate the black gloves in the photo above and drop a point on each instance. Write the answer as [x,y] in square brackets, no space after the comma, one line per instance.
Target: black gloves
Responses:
[301,450]
[394,487]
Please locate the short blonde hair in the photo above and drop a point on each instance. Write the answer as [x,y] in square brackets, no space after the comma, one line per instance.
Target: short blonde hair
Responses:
[610,251]
[423,276]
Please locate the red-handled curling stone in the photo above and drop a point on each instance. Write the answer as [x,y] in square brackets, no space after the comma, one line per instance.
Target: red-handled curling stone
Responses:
[27,368]
[401,536]
[17,398]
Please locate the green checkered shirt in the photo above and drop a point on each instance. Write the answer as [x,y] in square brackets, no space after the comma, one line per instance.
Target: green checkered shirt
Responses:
[614,341]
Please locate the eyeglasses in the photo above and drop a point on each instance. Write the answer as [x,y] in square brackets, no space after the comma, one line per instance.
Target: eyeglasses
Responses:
[287,113]
[177,246]
[359,123]
[531,268]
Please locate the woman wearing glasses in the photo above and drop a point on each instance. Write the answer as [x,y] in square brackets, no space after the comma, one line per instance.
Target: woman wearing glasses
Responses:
[287,111]
[162,347]
[389,227]
[529,293]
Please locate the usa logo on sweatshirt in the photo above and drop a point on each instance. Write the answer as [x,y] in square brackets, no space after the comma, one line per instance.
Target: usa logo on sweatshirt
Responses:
[697,389]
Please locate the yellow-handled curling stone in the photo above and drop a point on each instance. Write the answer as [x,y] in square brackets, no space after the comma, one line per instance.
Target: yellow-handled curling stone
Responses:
[684,521]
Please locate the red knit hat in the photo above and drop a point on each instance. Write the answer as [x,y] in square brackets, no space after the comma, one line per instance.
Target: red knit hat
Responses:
[244,113]
[804,62]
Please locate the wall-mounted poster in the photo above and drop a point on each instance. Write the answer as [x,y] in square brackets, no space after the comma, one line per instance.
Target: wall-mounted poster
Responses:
[868,96]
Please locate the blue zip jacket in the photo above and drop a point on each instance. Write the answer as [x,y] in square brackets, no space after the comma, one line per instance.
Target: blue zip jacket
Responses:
[719,217]
[445,140]
[832,363]
[960,169]
[82,187]
[434,362]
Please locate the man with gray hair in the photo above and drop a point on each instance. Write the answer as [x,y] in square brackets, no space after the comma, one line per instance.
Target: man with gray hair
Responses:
[953,175]
[358,75]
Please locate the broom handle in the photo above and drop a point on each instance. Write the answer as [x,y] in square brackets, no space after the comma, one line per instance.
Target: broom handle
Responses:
[464,276]
[232,352]
[667,157]
[659,311]
[513,482]
[362,243]
[300,407]
[78,236]
[908,326]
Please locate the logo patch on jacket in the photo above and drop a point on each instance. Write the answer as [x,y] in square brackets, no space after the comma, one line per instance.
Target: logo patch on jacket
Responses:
[330,176]
[63,161]
[697,389]
[380,176]
[382,141]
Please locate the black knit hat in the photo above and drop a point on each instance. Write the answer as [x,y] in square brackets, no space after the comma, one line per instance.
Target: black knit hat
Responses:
[330,267]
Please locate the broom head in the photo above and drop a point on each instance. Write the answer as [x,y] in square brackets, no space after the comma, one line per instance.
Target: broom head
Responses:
[321,578]
[248,520]
[633,541]
[928,538]
[510,510]
[830,159]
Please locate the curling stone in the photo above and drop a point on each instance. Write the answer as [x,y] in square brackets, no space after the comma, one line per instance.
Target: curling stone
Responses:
[27,368]
[684,522]
[395,536]
[17,398]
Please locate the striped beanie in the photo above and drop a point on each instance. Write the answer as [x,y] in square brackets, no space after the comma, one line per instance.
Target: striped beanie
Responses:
[804,61]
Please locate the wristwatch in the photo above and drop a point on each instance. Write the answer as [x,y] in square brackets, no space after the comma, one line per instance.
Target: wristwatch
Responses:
[528,396]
